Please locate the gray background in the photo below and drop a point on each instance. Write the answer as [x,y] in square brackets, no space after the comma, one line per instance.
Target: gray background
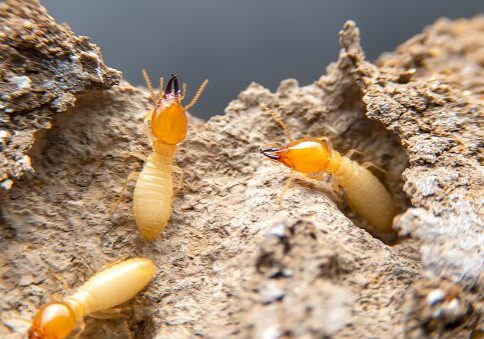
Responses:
[235,42]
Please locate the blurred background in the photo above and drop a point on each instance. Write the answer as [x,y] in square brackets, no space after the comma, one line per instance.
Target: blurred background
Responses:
[233,43]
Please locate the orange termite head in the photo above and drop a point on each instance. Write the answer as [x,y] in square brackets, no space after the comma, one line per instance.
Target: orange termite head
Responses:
[169,121]
[54,320]
[308,155]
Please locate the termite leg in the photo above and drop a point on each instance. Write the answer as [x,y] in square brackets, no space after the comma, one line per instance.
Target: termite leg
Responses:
[317,176]
[139,156]
[132,176]
[336,187]
[369,164]
[352,151]
[60,280]
[286,187]
[128,331]
[82,328]
[179,183]
[322,176]
[197,95]
[86,267]
[149,86]
[331,129]
[112,313]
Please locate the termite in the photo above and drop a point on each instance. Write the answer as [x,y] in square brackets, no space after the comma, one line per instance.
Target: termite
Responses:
[316,157]
[167,127]
[111,286]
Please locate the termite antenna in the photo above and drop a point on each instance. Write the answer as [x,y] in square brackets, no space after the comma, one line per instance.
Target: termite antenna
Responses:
[161,92]
[197,95]
[184,91]
[286,187]
[149,86]
[279,121]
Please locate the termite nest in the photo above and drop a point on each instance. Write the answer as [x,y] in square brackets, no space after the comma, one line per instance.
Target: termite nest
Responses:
[67,211]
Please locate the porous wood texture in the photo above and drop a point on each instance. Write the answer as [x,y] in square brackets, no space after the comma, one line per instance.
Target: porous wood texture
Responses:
[43,65]
[234,263]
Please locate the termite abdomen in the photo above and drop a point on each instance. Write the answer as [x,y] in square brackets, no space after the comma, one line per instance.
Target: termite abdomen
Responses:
[108,288]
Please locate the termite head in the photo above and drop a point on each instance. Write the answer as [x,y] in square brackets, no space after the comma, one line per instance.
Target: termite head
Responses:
[308,155]
[169,121]
[54,320]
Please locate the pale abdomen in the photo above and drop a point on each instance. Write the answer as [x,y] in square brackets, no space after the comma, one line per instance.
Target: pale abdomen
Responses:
[153,196]
[114,285]
[367,195]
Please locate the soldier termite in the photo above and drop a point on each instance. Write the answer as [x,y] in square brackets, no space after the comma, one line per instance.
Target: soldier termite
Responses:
[167,126]
[111,286]
[365,193]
